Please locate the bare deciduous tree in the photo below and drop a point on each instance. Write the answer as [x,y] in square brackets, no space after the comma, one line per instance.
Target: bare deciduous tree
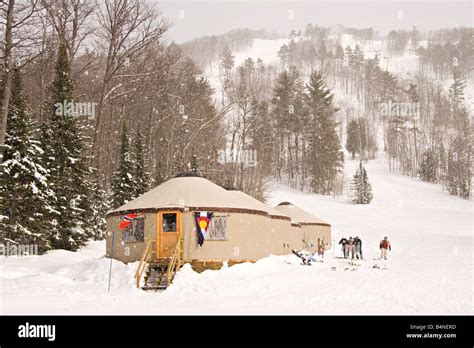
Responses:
[69,19]
[126,29]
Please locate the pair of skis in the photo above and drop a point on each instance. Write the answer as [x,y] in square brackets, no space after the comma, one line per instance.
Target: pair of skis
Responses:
[306,259]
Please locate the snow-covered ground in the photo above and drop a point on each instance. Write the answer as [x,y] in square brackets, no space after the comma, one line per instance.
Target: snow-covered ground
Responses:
[430,270]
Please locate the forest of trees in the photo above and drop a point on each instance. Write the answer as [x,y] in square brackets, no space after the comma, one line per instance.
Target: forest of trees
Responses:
[97,108]
[426,129]
[290,124]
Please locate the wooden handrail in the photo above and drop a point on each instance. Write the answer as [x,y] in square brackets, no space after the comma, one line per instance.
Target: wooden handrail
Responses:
[176,260]
[144,261]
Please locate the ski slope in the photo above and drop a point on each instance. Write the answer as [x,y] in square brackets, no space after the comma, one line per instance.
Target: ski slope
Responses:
[266,50]
[429,270]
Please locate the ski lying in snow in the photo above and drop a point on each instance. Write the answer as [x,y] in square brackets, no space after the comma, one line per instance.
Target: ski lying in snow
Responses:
[352,263]
[306,261]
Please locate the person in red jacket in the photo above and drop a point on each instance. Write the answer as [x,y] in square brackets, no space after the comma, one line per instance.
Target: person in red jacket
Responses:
[385,247]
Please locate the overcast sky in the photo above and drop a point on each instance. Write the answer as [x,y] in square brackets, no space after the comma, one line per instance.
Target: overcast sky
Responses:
[196,18]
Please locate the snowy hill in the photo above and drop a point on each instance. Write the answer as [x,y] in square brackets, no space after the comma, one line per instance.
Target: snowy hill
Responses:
[429,270]
[266,50]
[404,66]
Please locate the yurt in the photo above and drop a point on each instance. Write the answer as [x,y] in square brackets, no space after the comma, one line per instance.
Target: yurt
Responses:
[234,225]
[312,227]
[283,232]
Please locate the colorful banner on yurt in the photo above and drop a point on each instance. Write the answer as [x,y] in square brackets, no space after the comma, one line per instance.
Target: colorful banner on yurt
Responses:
[203,219]
[127,220]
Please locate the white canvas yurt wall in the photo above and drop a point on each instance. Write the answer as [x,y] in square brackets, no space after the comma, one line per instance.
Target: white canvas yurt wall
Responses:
[253,230]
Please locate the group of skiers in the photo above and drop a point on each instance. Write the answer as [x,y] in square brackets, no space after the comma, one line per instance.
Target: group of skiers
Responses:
[353,247]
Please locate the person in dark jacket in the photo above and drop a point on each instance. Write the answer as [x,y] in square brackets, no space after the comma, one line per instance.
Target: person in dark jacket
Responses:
[358,247]
[343,243]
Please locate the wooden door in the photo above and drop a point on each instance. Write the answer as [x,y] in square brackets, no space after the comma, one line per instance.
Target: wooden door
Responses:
[168,232]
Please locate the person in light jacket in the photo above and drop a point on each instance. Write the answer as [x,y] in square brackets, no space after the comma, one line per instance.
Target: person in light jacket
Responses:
[351,247]
[321,247]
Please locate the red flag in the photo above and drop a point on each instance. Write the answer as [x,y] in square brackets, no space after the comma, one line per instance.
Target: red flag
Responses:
[123,224]
[127,220]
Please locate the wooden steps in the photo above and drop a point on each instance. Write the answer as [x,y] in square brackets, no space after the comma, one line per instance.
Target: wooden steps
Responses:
[155,276]
[158,273]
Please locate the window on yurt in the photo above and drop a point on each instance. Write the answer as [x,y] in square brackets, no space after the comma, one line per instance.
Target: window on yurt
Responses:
[169,222]
[135,232]
[217,228]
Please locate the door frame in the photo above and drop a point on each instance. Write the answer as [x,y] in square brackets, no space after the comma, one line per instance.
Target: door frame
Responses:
[159,229]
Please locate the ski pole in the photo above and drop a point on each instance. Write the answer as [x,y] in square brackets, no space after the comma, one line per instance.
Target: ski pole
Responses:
[111,258]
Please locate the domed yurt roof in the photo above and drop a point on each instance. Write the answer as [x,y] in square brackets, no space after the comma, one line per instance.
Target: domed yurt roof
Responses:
[193,193]
[299,215]
[256,204]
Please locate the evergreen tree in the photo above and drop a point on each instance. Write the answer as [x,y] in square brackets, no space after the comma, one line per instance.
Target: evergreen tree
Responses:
[354,187]
[226,62]
[289,115]
[353,138]
[284,55]
[452,179]
[283,101]
[288,104]
[428,167]
[359,138]
[456,90]
[24,190]
[360,187]
[64,146]
[357,59]
[123,181]
[367,192]
[99,207]
[459,173]
[442,162]
[326,157]
[142,177]
[459,161]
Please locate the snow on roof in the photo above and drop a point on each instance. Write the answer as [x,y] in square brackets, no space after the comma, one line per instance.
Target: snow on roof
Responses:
[298,215]
[194,192]
[257,205]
